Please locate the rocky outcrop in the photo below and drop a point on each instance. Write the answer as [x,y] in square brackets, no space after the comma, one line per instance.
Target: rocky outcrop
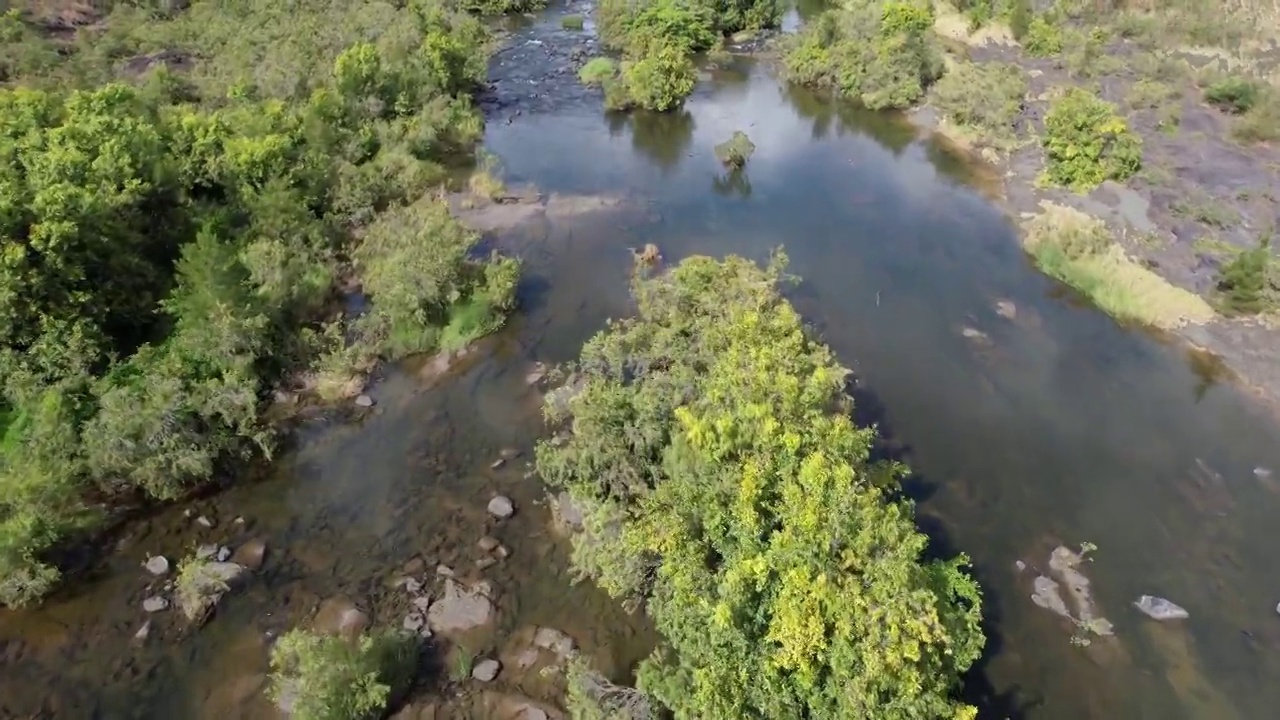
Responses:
[460,609]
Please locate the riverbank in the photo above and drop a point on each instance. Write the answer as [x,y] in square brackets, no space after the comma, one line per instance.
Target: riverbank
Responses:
[1207,191]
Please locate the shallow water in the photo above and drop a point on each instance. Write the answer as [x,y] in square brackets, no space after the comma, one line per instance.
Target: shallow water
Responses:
[1055,426]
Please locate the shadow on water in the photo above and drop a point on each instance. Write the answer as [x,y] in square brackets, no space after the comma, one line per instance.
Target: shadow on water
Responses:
[1029,421]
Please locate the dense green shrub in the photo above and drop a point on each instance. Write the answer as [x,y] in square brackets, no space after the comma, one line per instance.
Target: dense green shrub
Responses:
[1086,142]
[880,53]
[598,70]
[1043,38]
[984,97]
[660,79]
[1234,94]
[326,677]
[170,248]
[1245,284]
[725,487]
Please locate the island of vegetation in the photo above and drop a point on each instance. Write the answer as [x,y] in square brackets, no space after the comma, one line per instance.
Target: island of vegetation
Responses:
[181,197]
[726,490]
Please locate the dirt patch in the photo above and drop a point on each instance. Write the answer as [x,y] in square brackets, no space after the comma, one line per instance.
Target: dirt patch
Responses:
[1200,197]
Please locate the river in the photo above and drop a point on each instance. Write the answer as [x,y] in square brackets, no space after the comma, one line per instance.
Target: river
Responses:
[1030,420]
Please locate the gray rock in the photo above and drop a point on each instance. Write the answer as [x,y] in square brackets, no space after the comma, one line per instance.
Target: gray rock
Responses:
[364,401]
[413,585]
[486,670]
[485,563]
[501,507]
[1160,609]
[143,632]
[497,464]
[460,609]
[554,640]
[206,551]
[1047,595]
[155,604]
[413,622]
[567,512]
[157,565]
[227,572]
[488,543]
[422,602]
[1006,309]
[224,554]
[204,521]
[1262,473]
[444,571]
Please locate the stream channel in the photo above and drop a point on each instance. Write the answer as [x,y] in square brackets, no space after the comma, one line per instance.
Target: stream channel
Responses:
[1030,419]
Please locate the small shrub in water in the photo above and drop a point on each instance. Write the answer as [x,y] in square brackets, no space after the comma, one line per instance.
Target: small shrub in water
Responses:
[735,151]
[1086,142]
[571,22]
[597,71]
[661,79]
[326,677]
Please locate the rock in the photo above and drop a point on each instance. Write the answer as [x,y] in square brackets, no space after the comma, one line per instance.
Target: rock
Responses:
[413,585]
[509,453]
[535,374]
[1046,595]
[555,641]
[497,464]
[567,512]
[1261,473]
[206,551]
[364,401]
[415,566]
[338,615]
[157,565]
[227,572]
[460,609]
[251,555]
[488,543]
[501,507]
[204,521]
[422,602]
[973,334]
[1006,309]
[485,563]
[486,670]
[444,571]
[155,604]
[224,554]
[144,631]
[239,520]
[413,622]
[1160,609]
[1019,565]
[502,552]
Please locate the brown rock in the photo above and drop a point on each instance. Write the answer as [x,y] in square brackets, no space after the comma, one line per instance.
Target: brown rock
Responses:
[338,615]
[251,554]
[488,543]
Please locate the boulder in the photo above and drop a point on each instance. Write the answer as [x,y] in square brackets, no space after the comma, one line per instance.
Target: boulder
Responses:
[459,610]
[486,670]
[157,565]
[1160,609]
[155,604]
[501,507]
[338,615]
[251,555]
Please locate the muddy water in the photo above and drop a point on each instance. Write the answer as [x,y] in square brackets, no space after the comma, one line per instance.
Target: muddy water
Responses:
[1051,426]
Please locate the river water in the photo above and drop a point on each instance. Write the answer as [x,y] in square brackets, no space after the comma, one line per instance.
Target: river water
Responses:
[1053,426]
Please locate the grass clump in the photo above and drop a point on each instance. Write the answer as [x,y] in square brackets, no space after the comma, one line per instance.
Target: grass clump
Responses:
[985,99]
[735,151]
[1234,94]
[1078,250]
[1043,38]
[572,22]
[326,677]
[1250,282]
[741,449]
[882,54]
[598,71]
[1086,142]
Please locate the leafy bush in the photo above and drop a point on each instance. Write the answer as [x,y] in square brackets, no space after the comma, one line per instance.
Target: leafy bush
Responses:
[736,151]
[1234,94]
[325,677]
[881,54]
[1262,122]
[1246,284]
[597,71]
[660,79]
[725,487]
[1043,39]
[1087,142]
[985,97]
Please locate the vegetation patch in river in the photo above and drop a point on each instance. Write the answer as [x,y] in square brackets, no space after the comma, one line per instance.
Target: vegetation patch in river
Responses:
[725,489]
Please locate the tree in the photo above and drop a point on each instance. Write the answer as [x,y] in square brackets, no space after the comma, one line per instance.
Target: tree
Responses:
[728,490]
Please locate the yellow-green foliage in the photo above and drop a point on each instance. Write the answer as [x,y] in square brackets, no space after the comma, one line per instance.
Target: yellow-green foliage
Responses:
[1078,250]
[1086,142]
[881,53]
[171,244]
[1043,38]
[727,488]
[325,677]
[660,79]
[985,98]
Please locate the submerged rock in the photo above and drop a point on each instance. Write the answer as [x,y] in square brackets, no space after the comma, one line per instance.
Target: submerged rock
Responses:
[1006,309]
[143,632]
[1160,609]
[157,565]
[364,401]
[486,670]
[338,615]
[204,521]
[155,603]
[554,640]
[251,554]
[567,513]
[501,507]
[488,543]
[1046,594]
[460,609]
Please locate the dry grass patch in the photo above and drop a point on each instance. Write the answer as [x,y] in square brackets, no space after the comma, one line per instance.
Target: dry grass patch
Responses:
[1077,249]
[950,23]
